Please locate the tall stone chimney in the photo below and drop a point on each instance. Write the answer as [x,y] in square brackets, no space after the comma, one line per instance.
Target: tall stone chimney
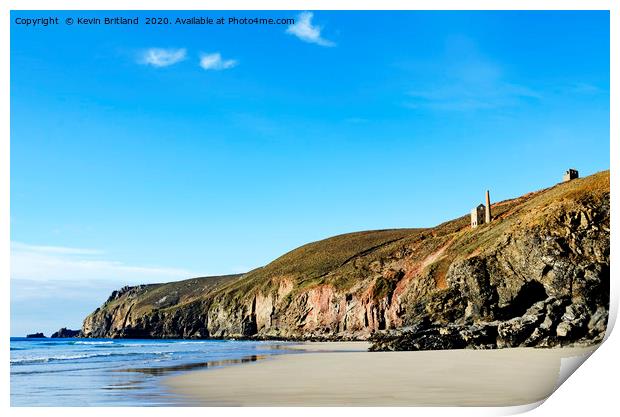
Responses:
[487,213]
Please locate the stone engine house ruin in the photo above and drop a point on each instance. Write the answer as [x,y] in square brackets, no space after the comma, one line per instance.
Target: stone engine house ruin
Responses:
[481,214]
[570,174]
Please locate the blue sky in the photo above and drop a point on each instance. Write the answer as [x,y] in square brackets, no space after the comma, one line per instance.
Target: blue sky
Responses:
[154,153]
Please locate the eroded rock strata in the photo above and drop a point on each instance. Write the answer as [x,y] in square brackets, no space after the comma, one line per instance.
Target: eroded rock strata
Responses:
[537,275]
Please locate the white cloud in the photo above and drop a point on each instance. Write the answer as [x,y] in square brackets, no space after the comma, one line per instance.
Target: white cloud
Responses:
[307,32]
[159,57]
[53,263]
[214,61]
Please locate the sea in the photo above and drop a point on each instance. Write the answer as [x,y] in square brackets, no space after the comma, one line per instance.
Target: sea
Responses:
[118,372]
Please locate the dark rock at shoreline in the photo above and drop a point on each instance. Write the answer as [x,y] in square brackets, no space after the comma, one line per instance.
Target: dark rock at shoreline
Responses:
[546,324]
[66,333]
[35,336]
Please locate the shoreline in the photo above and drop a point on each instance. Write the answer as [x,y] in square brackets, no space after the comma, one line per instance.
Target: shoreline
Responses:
[346,374]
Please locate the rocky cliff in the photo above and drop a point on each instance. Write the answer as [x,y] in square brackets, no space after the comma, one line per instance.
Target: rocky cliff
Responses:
[538,275]
[65,333]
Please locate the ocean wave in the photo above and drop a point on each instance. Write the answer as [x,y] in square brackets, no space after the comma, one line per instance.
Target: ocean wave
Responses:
[44,359]
[162,342]
[149,344]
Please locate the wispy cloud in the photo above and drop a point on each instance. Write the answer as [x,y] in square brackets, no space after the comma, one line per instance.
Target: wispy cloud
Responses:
[465,80]
[306,31]
[584,88]
[46,306]
[214,61]
[462,96]
[51,263]
[160,57]
[61,250]
[55,286]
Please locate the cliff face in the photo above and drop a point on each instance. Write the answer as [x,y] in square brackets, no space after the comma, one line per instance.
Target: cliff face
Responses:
[538,275]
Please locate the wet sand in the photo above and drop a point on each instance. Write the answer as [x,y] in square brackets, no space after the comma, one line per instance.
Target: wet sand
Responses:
[345,374]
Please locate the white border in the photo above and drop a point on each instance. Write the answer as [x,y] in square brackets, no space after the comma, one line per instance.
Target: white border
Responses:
[591,391]
[311,5]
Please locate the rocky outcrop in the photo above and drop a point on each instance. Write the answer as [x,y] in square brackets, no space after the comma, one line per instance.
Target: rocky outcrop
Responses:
[538,275]
[547,323]
[543,285]
[35,336]
[66,333]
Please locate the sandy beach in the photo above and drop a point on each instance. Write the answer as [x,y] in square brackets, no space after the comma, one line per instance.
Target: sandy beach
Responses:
[345,374]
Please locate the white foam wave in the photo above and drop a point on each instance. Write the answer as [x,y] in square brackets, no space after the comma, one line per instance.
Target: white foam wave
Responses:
[43,359]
